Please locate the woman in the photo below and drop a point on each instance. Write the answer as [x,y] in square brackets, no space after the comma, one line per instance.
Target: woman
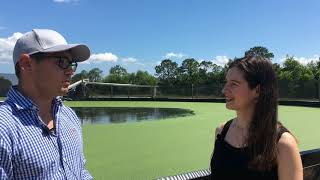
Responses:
[254,145]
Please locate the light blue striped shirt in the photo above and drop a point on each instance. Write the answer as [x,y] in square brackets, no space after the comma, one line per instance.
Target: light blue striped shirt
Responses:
[28,150]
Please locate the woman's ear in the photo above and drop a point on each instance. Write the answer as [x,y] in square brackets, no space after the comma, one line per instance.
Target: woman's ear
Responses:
[257,90]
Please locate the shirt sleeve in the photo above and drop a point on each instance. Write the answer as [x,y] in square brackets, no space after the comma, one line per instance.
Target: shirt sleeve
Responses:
[6,168]
[85,173]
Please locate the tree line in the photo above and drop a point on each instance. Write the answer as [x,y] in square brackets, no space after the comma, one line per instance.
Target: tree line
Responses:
[4,86]
[117,74]
[192,71]
[294,78]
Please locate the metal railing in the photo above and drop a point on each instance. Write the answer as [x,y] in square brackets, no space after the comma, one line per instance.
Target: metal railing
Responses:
[310,162]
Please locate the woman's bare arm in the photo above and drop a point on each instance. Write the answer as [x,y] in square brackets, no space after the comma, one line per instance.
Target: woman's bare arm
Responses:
[289,160]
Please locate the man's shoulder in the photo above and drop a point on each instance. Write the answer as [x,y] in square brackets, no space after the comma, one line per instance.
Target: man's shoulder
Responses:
[6,116]
[5,109]
[68,111]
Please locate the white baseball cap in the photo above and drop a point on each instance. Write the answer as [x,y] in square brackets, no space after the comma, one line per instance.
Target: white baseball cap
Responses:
[48,41]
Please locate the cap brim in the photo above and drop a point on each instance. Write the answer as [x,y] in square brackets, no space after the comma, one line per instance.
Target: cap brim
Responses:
[79,52]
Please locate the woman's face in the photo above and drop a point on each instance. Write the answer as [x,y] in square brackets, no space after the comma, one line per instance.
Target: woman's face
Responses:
[237,92]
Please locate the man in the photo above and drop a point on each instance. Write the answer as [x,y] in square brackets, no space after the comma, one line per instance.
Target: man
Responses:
[40,138]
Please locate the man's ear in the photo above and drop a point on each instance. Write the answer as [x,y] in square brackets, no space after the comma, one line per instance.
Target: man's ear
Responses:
[25,62]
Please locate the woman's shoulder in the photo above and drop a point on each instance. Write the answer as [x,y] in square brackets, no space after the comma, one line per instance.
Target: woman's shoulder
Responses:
[289,160]
[287,147]
[220,127]
[287,140]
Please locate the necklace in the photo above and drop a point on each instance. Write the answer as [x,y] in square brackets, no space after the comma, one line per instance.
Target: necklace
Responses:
[236,125]
[243,134]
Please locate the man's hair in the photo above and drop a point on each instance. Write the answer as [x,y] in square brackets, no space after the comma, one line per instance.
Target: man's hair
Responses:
[17,70]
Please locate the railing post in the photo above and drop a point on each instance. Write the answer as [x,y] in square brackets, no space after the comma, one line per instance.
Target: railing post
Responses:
[192,90]
[154,92]
[84,90]
[111,91]
[319,89]
[128,92]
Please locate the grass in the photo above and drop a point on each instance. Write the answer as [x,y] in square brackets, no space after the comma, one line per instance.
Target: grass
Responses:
[151,149]
[2,98]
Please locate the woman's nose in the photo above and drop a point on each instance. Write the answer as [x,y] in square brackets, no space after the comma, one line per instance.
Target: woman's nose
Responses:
[224,89]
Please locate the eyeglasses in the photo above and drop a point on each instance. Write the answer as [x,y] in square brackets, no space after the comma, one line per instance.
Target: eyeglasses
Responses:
[63,62]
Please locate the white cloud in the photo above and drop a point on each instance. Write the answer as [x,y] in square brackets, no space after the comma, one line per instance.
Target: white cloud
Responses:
[65,1]
[200,60]
[132,61]
[129,60]
[303,60]
[140,64]
[220,60]
[174,55]
[102,57]
[6,47]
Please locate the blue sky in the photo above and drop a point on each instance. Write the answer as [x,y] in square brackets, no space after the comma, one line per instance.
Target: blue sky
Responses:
[138,34]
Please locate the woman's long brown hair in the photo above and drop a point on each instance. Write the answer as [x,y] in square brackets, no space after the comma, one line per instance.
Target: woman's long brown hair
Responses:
[262,135]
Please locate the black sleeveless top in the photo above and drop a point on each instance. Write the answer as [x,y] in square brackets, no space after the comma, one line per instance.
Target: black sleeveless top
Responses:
[229,162]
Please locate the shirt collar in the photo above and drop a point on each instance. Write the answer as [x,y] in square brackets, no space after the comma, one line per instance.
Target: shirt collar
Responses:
[22,102]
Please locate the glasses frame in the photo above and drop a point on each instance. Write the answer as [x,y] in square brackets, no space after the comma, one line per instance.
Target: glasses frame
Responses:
[61,61]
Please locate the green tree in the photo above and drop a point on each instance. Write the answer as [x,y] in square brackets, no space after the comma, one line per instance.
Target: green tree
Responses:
[209,72]
[144,78]
[294,76]
[77,77]
[294,70]
[118,70]
[314,67]
[260,51]
[190,67]
[277,68]
[118,74]
[5,85]
[204,69]
[167,72]
[95,75]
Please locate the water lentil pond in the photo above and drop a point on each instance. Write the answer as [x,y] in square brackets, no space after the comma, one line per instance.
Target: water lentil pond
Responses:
[149,149]
[105,115]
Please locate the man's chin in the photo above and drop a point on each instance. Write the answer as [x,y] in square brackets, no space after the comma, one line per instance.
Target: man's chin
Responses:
[230,107]
[64,91]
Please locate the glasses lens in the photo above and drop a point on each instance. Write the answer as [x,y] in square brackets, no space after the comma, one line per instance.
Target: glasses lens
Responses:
[65,63]
[74,66]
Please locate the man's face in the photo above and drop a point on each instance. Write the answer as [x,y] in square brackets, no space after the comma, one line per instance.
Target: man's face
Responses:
[52,74]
